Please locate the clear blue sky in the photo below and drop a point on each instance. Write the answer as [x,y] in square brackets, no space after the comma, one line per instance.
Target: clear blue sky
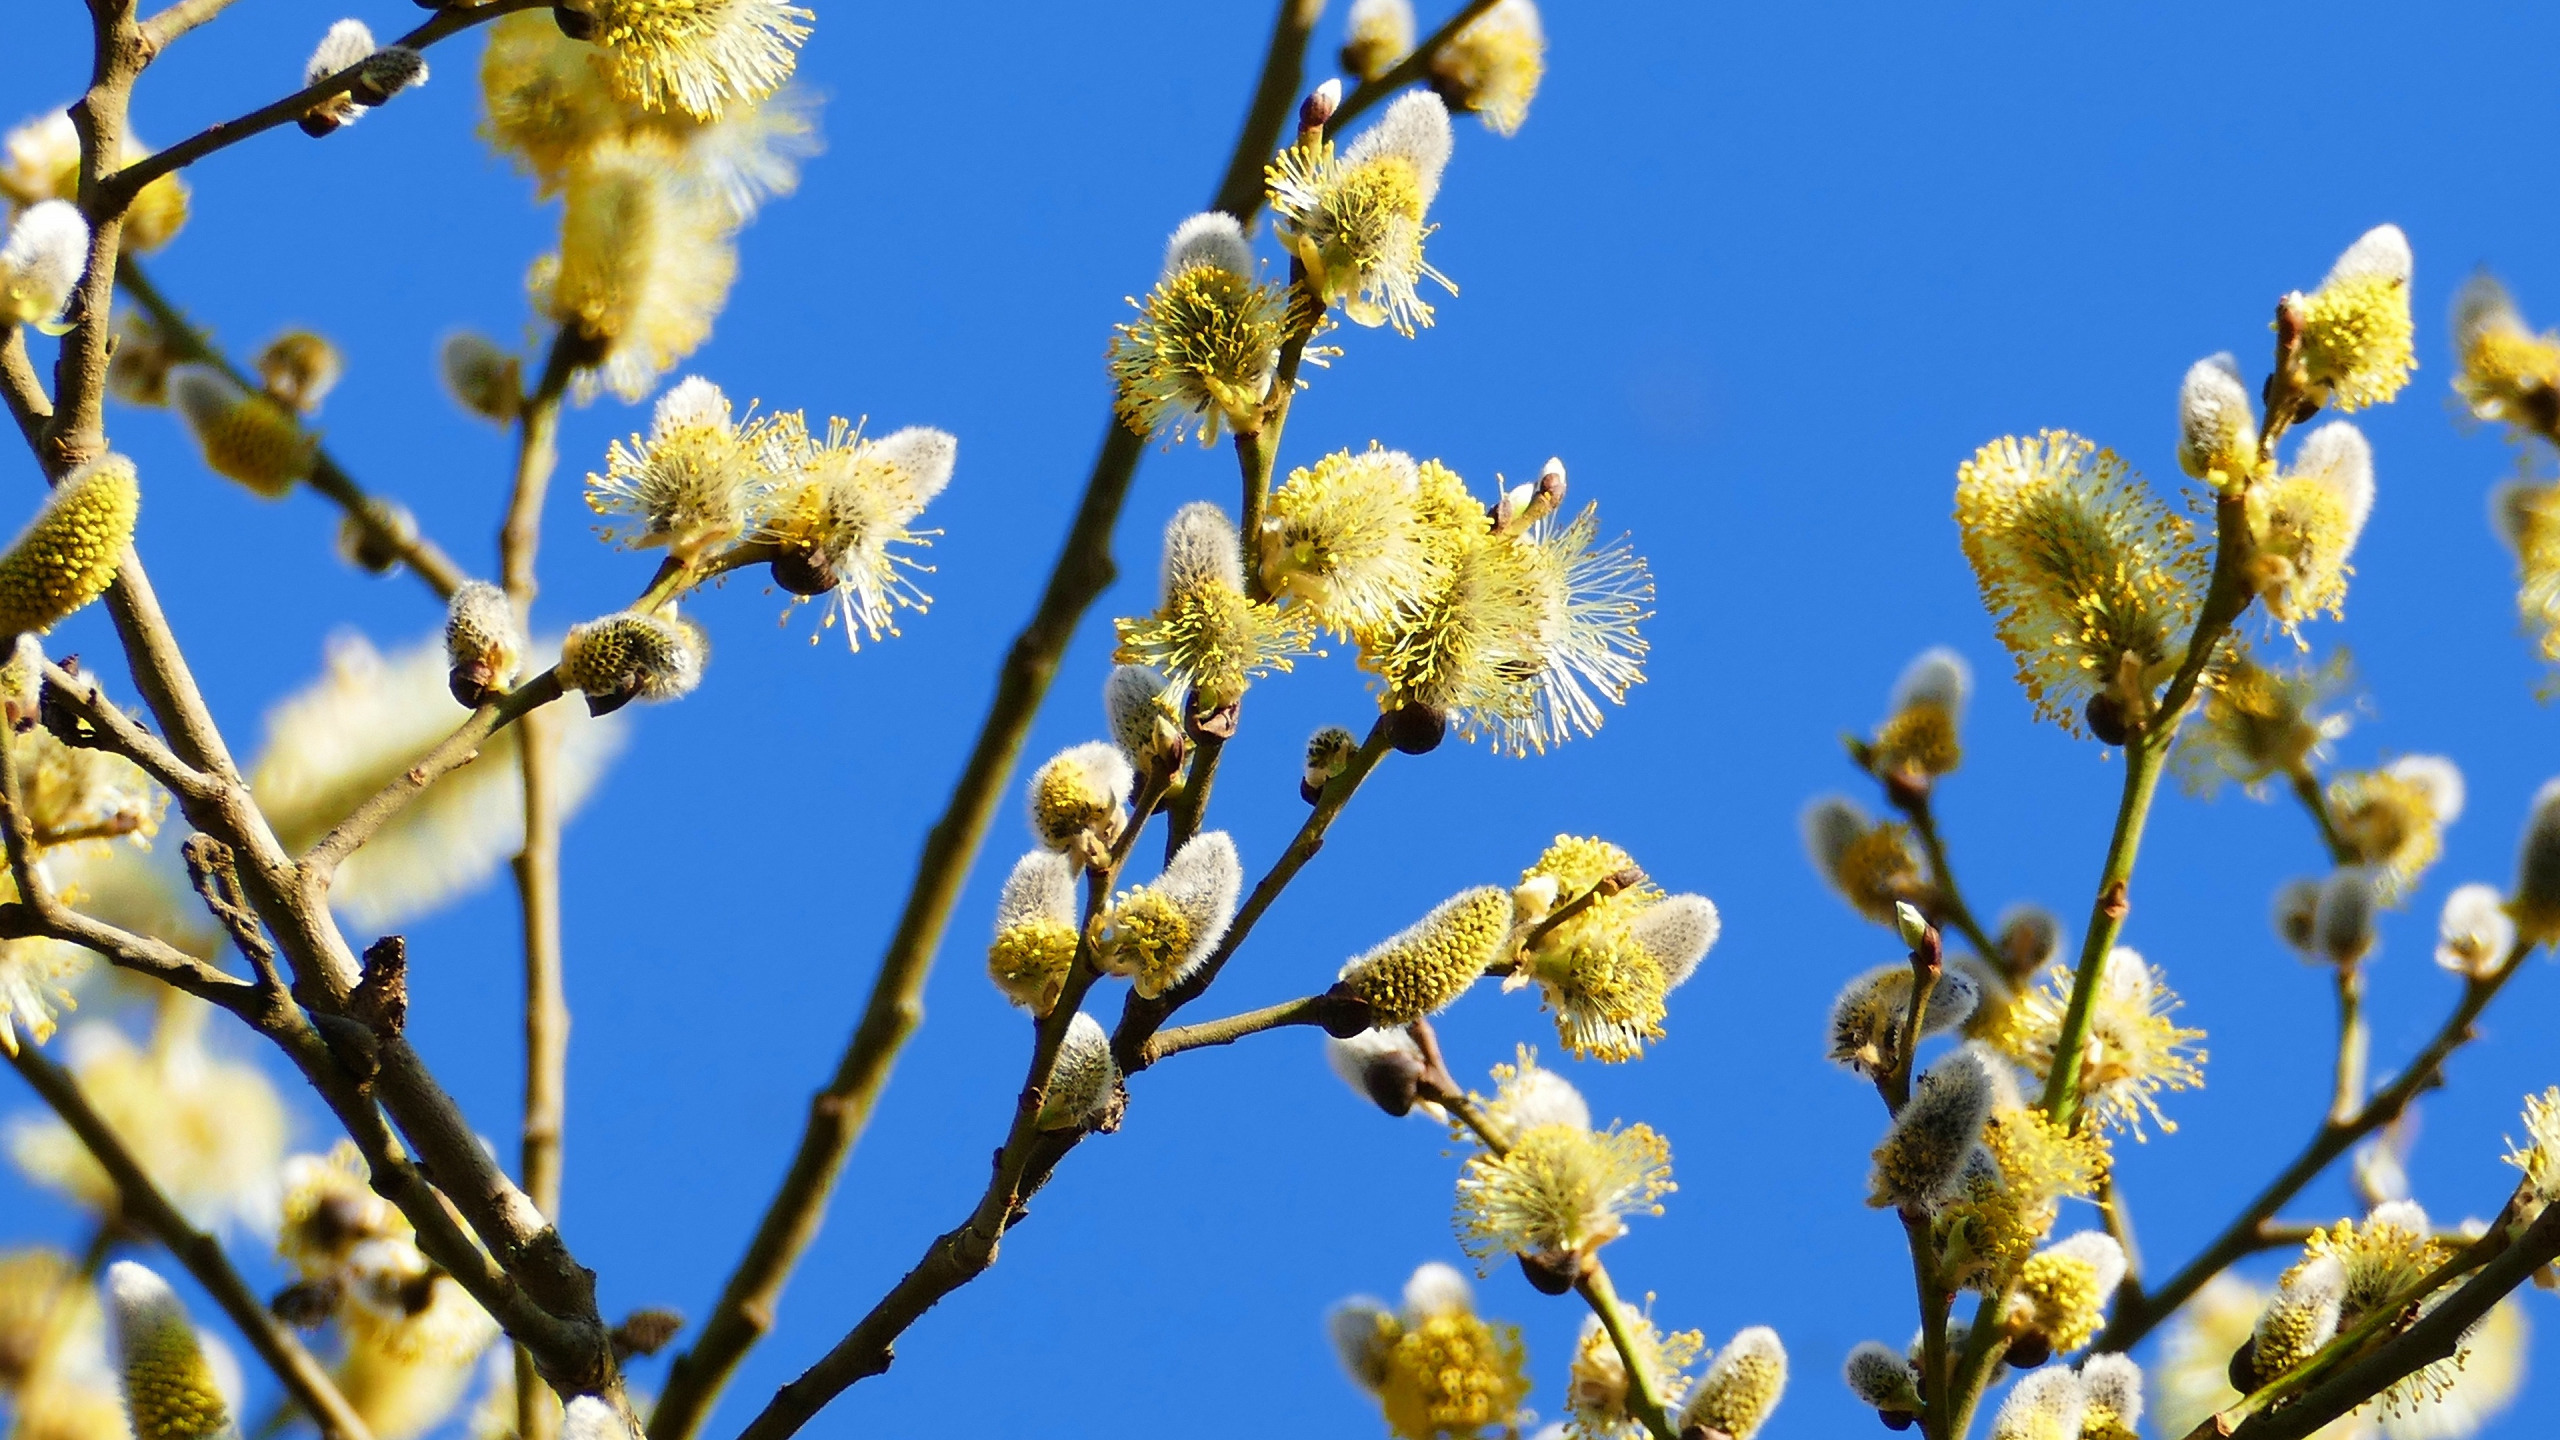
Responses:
[1761,274]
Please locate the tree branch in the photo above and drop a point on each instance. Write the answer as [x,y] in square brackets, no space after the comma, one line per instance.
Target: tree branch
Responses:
[1328,1010]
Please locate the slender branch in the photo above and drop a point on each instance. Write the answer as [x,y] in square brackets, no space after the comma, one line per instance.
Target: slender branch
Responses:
[20,386]
[1914,802]
[141,1203]
[454,751]
[2137,1314]
[1984,1348]
[124,184]
[1644,1396]
[2355,1045]
[2118,1218]
[1327,1010]
[1183,816]
[177,20]
[1140,1017]
[1934,1302]
[2315,801]
[1275,94]
[370,514]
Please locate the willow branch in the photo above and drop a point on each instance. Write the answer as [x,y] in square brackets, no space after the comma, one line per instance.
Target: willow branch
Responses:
[177,20]
[462,747]
[2137,1314]
[369,513]
[1644,1394]
[1275,94]
[141,1203]
[124,184]
[1331,1011]
[21,388]
[841,1110]
[1914,802]
[2315,802]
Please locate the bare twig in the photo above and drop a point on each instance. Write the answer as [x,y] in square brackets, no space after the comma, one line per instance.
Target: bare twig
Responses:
[21,388]
[141,1203]
[454,751]
[1331,1011]
[177,20]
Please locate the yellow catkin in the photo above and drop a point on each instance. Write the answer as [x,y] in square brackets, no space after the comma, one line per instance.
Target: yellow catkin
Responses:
[1433,962]
[68,557]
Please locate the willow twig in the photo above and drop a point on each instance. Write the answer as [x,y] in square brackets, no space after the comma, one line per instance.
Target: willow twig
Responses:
[1914,802]
[1327,1010]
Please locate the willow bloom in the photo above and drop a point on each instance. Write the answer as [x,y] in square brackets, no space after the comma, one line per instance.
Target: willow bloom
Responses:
[169,1388]
[2047,1404]
[699,56]
[68,554]
[2538,1159]
[2133,1051]
[2394,818]
[1348,538]
[1922,1160]
[40,161]
[1596,1386]
[2092,582]
[1868,1015]
[2217,424]
[2259,722]
[360,727]
[1741,1387]
[1870,863]
[1082,1080]
[1606,969]
[1920,735]
[2527,517]
[1376,35]
[1206,634]
[2343,920]
[688,484]
[2475,933]
[1881,1377]
[2112,1385]
[1436,1368]
[1492,67]
[36,976]
[1356,219]
[2005,1209]
[1160,933]
[208,1131]
[42,261]
[483,377]
[1145,719]
[2300,1318]
[630,656]
[299,368]
[643,267]
[1424,968]
[79,796]
[1079,800]
[2356,329]
[1561,1191]
[2505,371]
[1036,931]
[549,102]
[1206,340]
[843,515]
[2303,525]
[246,435]
[484,648]
[347,44]
[2063,1290]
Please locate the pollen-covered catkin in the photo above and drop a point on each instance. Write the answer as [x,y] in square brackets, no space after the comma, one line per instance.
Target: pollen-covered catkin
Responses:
[1079,800]
[170,1391]
[630,656]
[1427,966]
[2046,1405]
[1356,220]
[2113,1386]
[483,646]
[2063,1290]
[1036,933]
[1742,1385]
[1377,34]
[1139,707]
[1924,1153]
[1677,931]
[246,436]
[2356,329]
[1081,1082]
[2300,1319]
[68,556]
[1160,933]
[2217,424]
[2536,904]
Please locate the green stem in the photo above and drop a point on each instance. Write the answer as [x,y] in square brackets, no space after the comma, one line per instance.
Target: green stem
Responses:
[1915,805]
[1644,1397]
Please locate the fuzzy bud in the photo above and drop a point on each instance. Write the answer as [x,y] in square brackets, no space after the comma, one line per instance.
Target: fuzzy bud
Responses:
[1868,1015]
[2536,905]
[1329,753]
[68,556]
[1384,1065]
[1879,1376]
[1363,1330]
[630,656]
[1138,705]
[2342,923]
[1079,800]
[170,1390]
[1424,968]
[2217,425]
[346,46]
[588,1418]
[2296,913]
[1036,932]
[2355,329]
[2030,938]
[1742,1385]
[1083,1079]
[300,369]
[1923,1155]
[1677,931]
[387,72]
[484,378]
[2113,1384]
[2301,1318]
[245,436]
[2475,932]
[1160,933]
[372,539]
[2063,1290]
[41,263]
[483,647]
[2047,1405]
[1316,111]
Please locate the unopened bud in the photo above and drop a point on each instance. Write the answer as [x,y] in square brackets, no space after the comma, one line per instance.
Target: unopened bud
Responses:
[1384,1065]
[486,379]
[1329,750]
[804,572]
[387,72]
[1316,111]
[576,24]
[483,646]
[1416,729]
[1912,925]
[1553,1272]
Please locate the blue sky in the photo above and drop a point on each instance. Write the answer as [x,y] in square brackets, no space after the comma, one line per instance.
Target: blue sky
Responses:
[1761,274]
